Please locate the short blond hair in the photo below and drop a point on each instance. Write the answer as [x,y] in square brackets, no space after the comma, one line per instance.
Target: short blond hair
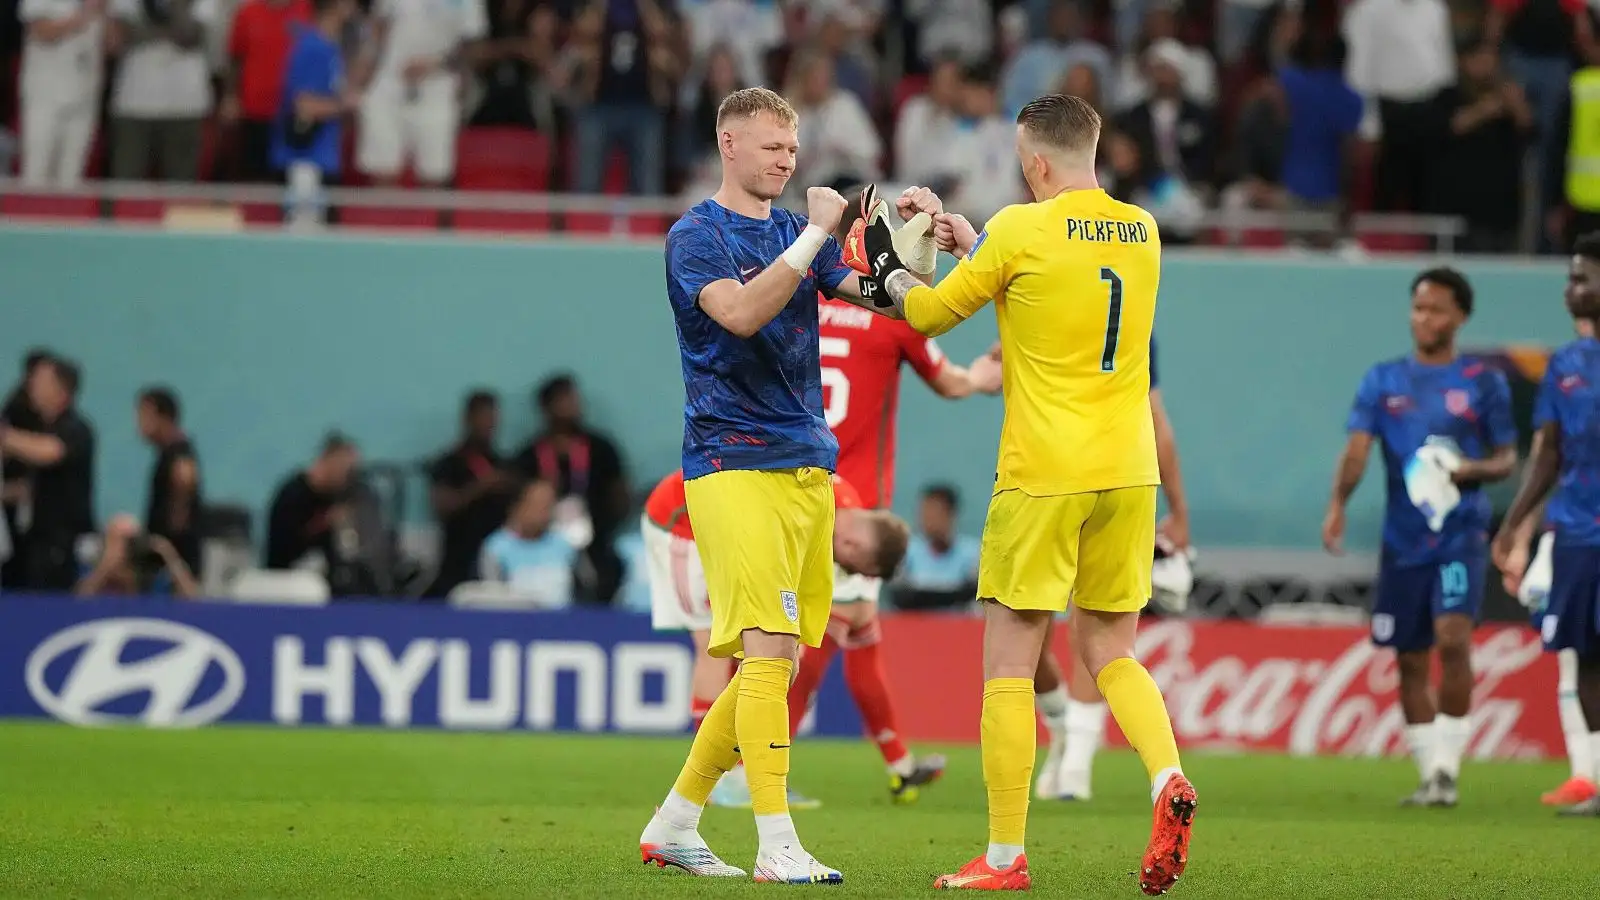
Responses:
[750,102]
[1062,122]
[894,538]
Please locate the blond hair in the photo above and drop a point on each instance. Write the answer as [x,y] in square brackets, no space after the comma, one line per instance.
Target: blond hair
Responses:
[893,538]
[750,102]
[1062,122]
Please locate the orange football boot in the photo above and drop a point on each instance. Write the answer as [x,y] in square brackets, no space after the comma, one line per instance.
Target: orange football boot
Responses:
[978,875]
[1168,852]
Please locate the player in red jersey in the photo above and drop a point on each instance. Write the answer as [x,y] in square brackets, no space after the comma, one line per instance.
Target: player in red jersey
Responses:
[867,543]
[862,355]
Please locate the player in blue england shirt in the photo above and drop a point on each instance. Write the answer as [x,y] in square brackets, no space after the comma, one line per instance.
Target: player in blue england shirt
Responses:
[1445,425]
[1566,458]
[758,461]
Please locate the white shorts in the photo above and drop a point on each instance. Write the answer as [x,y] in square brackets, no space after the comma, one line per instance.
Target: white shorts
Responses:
[849,588]
[394,130]
[678,598]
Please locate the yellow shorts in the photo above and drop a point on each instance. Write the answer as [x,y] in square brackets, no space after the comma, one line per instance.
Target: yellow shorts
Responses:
[1091,549]
[766,545]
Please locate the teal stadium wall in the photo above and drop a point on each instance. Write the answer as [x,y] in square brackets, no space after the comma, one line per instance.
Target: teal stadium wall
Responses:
[273,339]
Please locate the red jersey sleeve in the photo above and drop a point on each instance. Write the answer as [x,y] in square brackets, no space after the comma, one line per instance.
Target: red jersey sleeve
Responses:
[921,352]
[236,33]
[667,507]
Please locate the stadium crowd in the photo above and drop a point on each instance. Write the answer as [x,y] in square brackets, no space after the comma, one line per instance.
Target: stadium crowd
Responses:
[1393,105]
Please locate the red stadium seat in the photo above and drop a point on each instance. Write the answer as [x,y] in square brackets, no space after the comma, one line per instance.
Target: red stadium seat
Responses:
[389,218]
[139,210]
[492,220]
[502,159]
[42,206]
[262,213]
[1396,243]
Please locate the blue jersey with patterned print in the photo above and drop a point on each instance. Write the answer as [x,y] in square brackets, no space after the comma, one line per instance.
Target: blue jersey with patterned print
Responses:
[752,403]
[1567,398]
[1402,403]
[1155,373]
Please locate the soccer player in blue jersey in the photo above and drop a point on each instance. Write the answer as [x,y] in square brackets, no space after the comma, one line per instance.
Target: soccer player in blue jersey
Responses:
[1446,428]
[1566,458]
[758,459]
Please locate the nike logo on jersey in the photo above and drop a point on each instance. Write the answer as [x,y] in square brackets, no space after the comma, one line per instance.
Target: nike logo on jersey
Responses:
[779,746]
[746,273]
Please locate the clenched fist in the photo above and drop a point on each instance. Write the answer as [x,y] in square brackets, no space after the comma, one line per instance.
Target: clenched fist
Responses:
[952,233]
[915,200]
[824,208]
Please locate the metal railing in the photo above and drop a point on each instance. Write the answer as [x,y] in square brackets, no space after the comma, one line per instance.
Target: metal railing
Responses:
[1228,226]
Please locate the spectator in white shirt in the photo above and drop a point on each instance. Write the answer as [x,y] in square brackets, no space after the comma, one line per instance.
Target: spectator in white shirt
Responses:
[62,62]
[411,111]
[1401,54]
[928,120]
[535,560]
[163,90]
[750,28]
[1038,67]
[1194,64]
[983,155]
[963,29]
[840,145]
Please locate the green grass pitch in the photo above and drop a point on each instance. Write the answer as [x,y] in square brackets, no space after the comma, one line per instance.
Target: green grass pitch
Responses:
[244,812]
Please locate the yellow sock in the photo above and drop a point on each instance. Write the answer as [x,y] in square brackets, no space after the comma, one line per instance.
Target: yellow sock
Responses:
[763,729]
[713,751]
[1009,740]
[1140,712]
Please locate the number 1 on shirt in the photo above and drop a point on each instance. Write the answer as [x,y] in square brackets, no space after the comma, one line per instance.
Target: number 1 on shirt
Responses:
[1108,359]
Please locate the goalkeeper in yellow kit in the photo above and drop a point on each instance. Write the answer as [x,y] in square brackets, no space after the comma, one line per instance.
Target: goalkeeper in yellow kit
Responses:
[1073,277]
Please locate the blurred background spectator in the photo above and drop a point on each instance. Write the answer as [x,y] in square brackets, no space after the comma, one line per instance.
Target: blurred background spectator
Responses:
[470,489]
[1038,67]
[173,511]
[628,68]
[261,36]
[538,563]
[589,476]
[1489,123]
[55,496]
[842,145]
[163,87]
[941,566]
[62,68]
[131,563]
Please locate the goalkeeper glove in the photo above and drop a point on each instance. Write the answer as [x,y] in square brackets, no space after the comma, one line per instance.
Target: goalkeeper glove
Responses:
[875,249]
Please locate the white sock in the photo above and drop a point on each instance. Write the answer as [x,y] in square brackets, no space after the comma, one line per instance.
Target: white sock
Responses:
[1001,856]
[776,831]
[1419,737]
[680,812]
[904,766]
[1052,706]
[1160,781]
[1450,736]
[1574,728]
[1086,727]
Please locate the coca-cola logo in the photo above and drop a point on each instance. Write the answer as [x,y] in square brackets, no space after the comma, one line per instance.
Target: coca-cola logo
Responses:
[1338,698]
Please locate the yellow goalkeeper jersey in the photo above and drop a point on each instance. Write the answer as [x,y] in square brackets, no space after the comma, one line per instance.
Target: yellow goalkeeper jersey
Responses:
[1074,282]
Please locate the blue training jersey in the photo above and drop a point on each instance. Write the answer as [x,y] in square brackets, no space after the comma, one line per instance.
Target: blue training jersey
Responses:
[1402,403]
[1155,378]
[751,403]
[1567,397]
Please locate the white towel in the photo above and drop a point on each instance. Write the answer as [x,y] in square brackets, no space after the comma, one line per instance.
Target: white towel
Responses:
[1535,587]
[1428,484]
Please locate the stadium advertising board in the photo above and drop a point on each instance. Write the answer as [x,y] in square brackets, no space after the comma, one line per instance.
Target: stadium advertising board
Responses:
[1229,685]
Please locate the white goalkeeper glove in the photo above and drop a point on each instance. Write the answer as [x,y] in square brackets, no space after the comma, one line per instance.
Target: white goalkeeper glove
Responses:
[1172,577]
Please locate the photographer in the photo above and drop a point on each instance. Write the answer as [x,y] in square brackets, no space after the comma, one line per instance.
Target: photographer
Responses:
[132,563]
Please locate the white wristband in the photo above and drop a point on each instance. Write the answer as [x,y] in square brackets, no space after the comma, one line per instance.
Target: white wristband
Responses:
[804,249]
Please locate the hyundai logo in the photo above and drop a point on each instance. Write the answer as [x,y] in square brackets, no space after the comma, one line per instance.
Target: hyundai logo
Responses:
[170,678]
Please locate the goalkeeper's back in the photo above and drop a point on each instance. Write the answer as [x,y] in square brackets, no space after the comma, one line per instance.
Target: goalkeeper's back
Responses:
[1079,273]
